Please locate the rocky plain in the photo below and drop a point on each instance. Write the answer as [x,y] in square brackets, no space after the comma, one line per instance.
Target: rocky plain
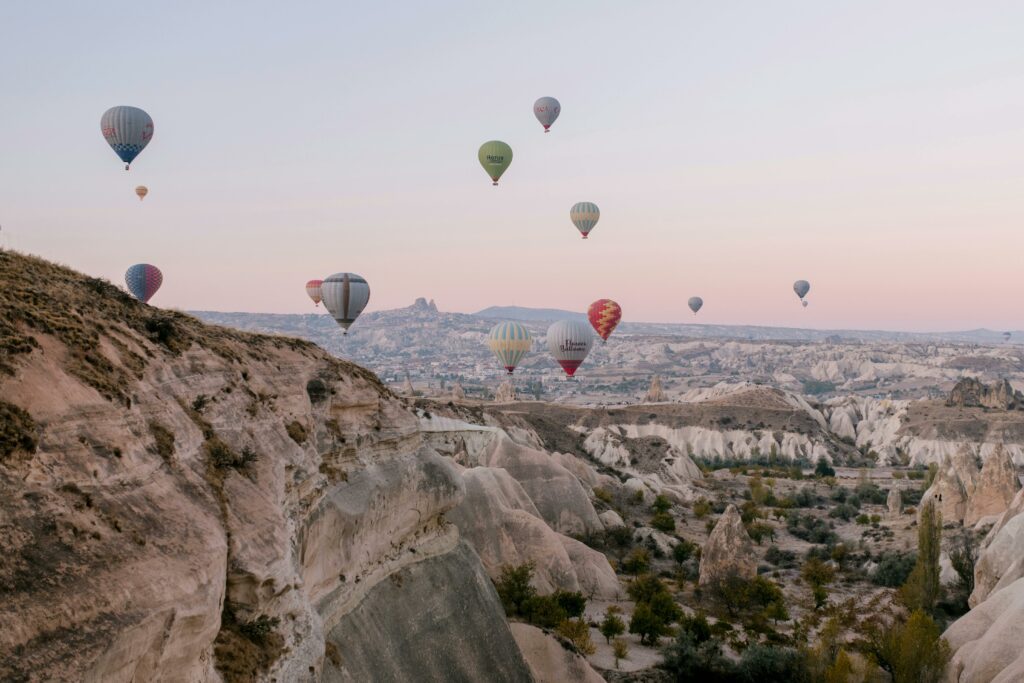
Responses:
[186,501]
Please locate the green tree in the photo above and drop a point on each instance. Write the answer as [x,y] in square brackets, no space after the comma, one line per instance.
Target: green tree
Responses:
[577,632]
[683,551]
[823,469]
[663,521]
[612,626]
[689,660]
[638,562]
[620,650]
[646,624]
[573,602]
[911,651]
[921,591]
[661,504]
[818,575]
[514,589]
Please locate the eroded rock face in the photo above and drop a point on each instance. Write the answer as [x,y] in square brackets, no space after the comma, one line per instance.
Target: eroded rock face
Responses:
[728,550]
[953,485]
[506,392]
[1001,556]
[549,661]
[894,503]
[655,394]
[996,486]
[458,392]
[972,393]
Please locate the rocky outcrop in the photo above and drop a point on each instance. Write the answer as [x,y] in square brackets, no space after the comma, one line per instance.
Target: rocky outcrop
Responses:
[972,393]
[655,394]
[728,550]
[894,503]
[179,473]
[501,522]
[506,392]
[458,392]
[1001,556]
[953,485]
[549,660]
[996,486]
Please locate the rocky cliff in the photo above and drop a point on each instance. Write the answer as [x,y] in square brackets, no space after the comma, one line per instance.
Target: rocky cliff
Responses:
[183,502]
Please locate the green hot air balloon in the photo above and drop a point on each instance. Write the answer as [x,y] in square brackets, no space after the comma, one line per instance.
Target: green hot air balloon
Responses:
[495,156]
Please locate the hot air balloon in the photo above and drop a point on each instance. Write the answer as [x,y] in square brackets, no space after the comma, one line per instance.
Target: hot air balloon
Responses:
[143,280]
[801,287]
[569,341]
[584,216]
[142,191]
[604,315]
[345,295]
[313,290]
[804,303]
[509,341]
[495,156]
[695,303]
[1007,335]
[547,109]
[127,130]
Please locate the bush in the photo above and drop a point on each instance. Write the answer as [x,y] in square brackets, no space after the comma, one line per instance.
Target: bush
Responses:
[221,456]
[845,512]
[893,569]
[701,508]
[769,664]
[17,430]
[638,562]
[661,504]
[823,469]
[514,589]
[663,521]
[297,432]
[573,602]
[687,660]
[620,650]
[603,495]
[811,529]
[163,440]
[683,551]
[612,626]
[780,558]
[543,611]
[577,632]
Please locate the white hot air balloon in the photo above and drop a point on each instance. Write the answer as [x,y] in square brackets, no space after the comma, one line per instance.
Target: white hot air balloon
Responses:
[569,342]
[345,295]
[547,109]
[127,130]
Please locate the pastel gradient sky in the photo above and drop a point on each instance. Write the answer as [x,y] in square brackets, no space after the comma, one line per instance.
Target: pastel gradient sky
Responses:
[873,148]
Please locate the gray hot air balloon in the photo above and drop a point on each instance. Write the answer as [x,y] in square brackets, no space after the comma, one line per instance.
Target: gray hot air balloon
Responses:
[345,295]
[127,130]
[801,287]
[569,341]
[547,109]
[695,304]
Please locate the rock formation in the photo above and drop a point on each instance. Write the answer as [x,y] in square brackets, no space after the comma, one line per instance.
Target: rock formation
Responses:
[1001,556]
[549,660]
[728,550]
[506,392]
[458,393]
[407,388]
[894,503]
[655,394]
[174,482]
[953,485]
[996,486]
[972,393]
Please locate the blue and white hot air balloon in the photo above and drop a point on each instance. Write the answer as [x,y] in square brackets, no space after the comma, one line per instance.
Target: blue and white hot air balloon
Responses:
[143,280]
[127,130]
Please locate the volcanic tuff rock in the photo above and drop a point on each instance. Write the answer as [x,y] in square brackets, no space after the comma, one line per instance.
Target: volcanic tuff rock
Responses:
[986,641]
[953,485]
[970,392]
[549,660]
[996,486]
[728,550]
[178,486]
[506,392]
[894,502]
[655,394]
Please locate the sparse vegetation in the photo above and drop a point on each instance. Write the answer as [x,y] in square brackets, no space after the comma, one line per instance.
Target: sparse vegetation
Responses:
[244,649]
[297,432]
[163,440]
[17,430]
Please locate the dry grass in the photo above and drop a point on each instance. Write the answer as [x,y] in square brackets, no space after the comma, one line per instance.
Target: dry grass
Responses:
[17,430]
[243,650]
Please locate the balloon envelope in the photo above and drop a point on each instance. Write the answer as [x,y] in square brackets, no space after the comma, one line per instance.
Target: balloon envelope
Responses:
[569,342]
[509,341]
[313,290]
[495,156]
[801,287]
[127,130]
[143,280]
[584,216]
[695,303]
[142,191]
[546,109]
[604,316]
[345,295]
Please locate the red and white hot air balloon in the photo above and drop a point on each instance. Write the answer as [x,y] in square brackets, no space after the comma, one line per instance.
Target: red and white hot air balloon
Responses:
[604,316]
[313,290]
[569,342]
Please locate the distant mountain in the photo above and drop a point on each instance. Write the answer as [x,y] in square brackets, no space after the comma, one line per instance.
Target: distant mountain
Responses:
[528,314]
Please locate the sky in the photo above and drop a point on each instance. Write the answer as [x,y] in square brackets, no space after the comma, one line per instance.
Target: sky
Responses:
[875,149]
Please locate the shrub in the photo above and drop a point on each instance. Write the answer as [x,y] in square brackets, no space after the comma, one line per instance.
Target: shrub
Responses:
[811,529]
[514,589]
[200,402]
[612,626]
[687,660]
[780,558]
[544,611]
[577,632]
[910,652]
[163,440]
[823,469]
[638,562]
[573,602]
[661,504]
[221,456]
[297,432]
[663,521]
[17,430]
[683,551]
[620,650]
[603,495]
[893,569]
[769,664]
[701,508]
[646,624]
[845,512]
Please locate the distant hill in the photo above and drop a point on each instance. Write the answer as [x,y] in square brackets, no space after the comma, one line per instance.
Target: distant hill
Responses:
[529,314]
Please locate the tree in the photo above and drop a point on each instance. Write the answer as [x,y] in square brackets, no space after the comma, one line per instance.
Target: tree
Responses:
[818,575]
[823,469]
[612,626]
[573,602]
[921,591]
[688,660]
[841,670]
[578,633]
[683,551]
[638,562]
[646,624]
[620,649]
[514,589]
[767,664]
[911,651]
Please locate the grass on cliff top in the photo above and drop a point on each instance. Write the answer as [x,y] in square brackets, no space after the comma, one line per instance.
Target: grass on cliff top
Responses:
[39,297]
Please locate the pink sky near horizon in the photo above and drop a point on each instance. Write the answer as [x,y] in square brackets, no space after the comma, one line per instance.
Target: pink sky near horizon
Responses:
[876,151]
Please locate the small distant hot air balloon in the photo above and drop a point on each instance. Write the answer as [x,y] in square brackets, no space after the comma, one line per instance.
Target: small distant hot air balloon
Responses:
[143,280]
[1007,335]
[804,303]
[801,287]
[142,191]
[345,295]
[547,109]
[695,303]
[313,290]
[509,341]
[584,216]
[495,156]
[127,130]
[569,341]
[604,316]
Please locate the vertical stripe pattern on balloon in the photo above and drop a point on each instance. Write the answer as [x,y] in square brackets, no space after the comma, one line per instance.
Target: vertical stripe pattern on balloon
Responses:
[584,216]
[509,342]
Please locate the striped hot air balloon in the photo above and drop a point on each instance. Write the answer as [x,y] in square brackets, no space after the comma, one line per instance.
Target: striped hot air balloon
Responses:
[604,315]
[569,342]
[142,191]
[584,216]
[313,290]
[509,341]
[127,130]
[143,280]
[547,109]
[345,295]
[495,156]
